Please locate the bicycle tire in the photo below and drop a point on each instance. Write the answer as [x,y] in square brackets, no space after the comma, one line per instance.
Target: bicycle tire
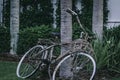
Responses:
[30,62]
[77,68]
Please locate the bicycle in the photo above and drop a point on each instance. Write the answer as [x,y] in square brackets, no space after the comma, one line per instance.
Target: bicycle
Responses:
[42,56]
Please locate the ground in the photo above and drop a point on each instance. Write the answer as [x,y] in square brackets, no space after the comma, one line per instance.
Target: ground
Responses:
[100,75]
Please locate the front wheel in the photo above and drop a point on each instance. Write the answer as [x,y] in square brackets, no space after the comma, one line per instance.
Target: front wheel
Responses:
[30,62]
[83,67]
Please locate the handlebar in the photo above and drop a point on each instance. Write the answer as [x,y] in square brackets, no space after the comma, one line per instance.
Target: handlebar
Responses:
[78,20]
[71,12]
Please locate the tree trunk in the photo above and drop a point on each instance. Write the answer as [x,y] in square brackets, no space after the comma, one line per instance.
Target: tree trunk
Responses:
[66,35]
[14,25]
[54,3]
[97,23]
[1,12]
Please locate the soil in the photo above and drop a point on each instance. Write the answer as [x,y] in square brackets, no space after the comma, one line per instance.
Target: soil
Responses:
[9,57]
[100,75]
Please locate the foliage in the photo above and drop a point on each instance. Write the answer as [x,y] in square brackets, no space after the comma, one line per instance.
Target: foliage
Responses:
[107,55]
[36,12]
[29,37]
[32,13]
[106,52]
[114,64]
[86,13]
[6,13]
[101,53]
[114,33]
[58,13]
[105,11]
[76,31]
[4,39]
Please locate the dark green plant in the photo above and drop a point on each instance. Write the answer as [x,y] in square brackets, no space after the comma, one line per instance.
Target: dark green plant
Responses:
[32,13]
[112,37]
[86,15]
[36,13]
[76,31]
[102,54]
[87,11]
[113,32]
[6,13]
[28,37]
[107,55]
[4,39]
[115,59]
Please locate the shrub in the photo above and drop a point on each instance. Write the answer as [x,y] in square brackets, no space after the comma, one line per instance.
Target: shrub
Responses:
[107,55]
[4,39]
[28,37]
[113,32]
[102,54]
[107,52]
[76,31]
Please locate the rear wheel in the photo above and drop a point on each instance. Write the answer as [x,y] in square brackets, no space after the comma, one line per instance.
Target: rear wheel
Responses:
[30,62]
[83,67]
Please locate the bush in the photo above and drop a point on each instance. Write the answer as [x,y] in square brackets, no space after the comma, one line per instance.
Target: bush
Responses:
[29,37]
[114,32]
[102,54]
[76,31]
[107,55]
[4,39]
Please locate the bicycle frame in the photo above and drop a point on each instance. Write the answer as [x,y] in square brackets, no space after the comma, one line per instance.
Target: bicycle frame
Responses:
[51,47]
[47,50]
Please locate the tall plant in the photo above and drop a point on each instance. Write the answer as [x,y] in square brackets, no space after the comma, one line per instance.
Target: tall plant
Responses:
[106,55]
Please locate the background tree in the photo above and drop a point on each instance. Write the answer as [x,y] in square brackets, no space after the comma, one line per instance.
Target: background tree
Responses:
[14,25]
[97,22]
[55,6]
[1,12]
[66,35]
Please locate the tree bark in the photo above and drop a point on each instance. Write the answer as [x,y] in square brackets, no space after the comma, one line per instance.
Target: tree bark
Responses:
[54,3]
[97,23]
[1,12]
[66,36]
[14,25]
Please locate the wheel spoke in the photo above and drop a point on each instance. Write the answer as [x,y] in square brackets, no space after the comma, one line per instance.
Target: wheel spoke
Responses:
[30,62]
[82,64]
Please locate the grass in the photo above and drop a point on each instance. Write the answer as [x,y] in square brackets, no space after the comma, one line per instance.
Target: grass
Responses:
[116,79]
[8,71]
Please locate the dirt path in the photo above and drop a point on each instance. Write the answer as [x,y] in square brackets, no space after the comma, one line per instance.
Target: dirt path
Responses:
[8,57]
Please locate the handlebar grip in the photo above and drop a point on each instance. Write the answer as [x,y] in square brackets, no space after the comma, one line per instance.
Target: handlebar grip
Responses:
[71,12]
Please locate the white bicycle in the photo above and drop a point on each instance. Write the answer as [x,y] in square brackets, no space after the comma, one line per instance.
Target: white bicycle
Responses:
[41,57]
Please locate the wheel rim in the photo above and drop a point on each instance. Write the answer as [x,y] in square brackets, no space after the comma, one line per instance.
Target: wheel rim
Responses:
[29,63]
[77,67]
[85,68]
